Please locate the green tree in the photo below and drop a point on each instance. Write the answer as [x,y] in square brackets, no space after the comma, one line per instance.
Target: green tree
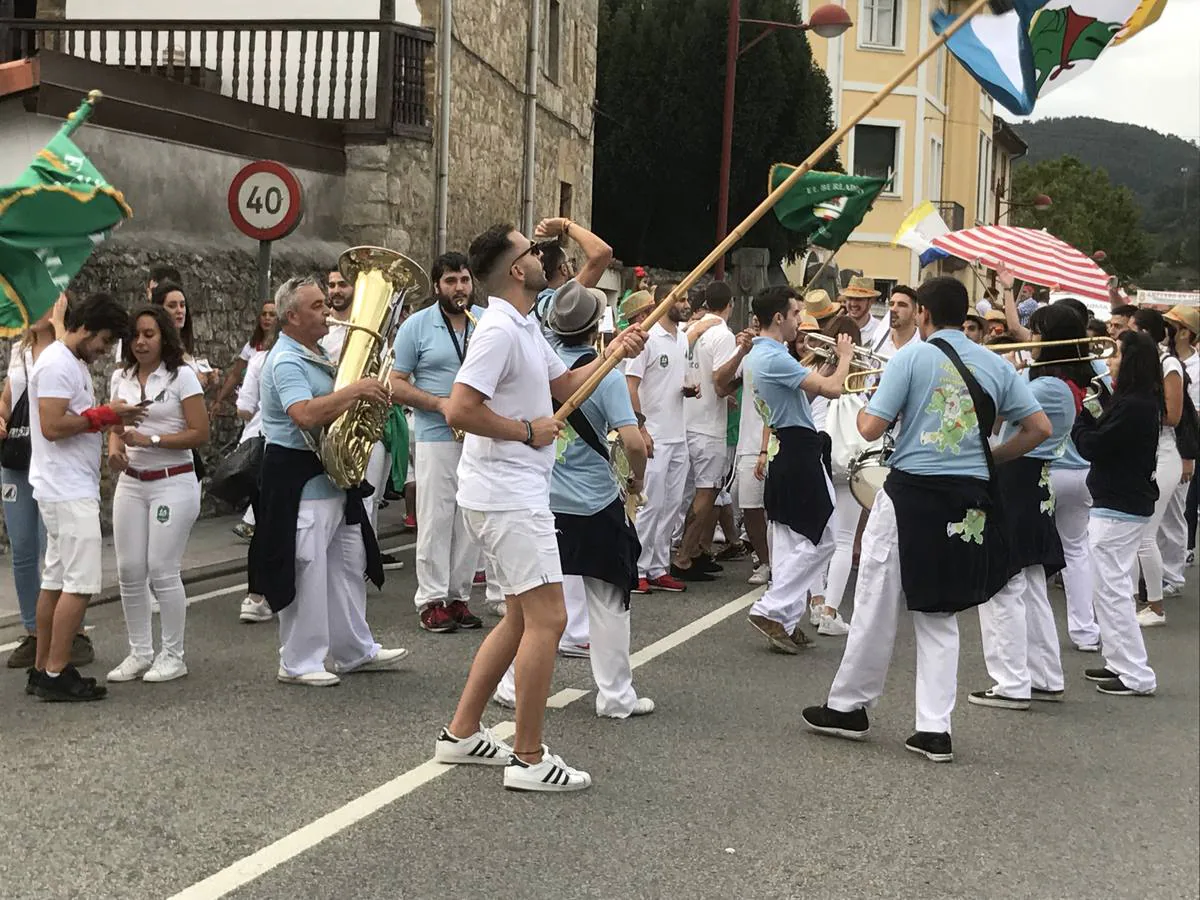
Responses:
[1088,212]
[659,93]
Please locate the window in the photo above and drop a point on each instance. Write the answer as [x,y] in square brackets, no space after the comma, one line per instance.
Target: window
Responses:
[552,41]
[875,151]
[881,26]
[933,189]
[983,192]
[564,199]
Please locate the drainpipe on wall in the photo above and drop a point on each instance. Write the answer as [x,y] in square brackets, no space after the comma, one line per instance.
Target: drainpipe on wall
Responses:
[443,149]
[531,85]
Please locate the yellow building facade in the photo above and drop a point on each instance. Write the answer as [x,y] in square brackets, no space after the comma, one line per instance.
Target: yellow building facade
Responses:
[935,133]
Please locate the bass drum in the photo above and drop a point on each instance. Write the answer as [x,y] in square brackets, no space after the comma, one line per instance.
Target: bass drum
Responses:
[868,471]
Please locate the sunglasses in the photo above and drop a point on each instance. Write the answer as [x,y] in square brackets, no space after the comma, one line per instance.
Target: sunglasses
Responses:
[532,249]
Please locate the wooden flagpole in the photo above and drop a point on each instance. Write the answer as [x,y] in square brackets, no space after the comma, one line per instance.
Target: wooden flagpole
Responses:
[681,289]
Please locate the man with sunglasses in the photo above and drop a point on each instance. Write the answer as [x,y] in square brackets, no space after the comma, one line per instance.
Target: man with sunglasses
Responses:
[502,397]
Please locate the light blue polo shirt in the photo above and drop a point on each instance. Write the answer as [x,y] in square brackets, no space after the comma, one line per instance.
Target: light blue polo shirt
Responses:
[291,375]
[425,350]
[541,309]
[777,377]
[582,483]
[939,431]
[1058,403]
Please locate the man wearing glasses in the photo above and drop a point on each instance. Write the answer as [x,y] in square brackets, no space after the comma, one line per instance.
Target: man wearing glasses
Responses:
[502,399]
[560,268]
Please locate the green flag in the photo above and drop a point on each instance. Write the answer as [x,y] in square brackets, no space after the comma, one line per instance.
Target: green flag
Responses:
[827,205]
[50,221]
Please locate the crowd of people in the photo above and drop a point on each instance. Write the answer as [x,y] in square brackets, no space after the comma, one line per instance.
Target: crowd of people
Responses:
[701,446]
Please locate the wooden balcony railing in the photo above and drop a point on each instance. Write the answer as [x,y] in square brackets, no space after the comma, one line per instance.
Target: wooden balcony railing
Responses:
[364,73]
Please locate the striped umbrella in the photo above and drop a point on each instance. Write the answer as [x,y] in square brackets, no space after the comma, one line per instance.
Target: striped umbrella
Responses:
[1035,256]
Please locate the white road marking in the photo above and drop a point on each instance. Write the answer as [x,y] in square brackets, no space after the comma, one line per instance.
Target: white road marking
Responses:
[219,592]
[292,845]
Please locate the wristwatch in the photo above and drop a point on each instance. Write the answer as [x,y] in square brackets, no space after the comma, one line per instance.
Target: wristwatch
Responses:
[156,439]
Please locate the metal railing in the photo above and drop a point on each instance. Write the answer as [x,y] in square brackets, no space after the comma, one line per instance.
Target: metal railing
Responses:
[952,213]
[360,71]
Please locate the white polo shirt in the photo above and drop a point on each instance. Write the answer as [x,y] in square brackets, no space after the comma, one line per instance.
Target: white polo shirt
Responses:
[870,331]
[69,468]
[510,363]
[750,423]
[164,415]
[707,414]
[661,366]
[887,349]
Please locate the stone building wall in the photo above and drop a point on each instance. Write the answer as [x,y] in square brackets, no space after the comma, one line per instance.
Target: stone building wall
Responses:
[487,134]
[220,285]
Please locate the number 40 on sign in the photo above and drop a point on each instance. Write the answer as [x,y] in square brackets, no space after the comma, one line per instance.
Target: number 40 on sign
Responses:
[266,204]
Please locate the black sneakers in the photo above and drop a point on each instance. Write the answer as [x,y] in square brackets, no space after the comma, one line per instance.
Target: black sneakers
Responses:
[32,680]
[1099,674]
[25,654]
[692,573]
[996,701]
[68,687]
[850,725]
[1046,696]
[1117,688]
[933,745]
[705,563]
[82,651]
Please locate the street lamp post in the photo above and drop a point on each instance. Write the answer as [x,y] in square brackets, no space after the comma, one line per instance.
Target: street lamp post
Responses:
[828,21]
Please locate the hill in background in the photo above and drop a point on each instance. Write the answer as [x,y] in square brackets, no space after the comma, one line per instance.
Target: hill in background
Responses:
[1150,164]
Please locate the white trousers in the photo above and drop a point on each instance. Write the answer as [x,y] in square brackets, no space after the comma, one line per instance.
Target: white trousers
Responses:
[1020,640]
[1150,558]
[606,621]
[796,567]
[846,513]
[1113,544]
[1072,509]
[152,521]
[878,603]
[447,555]
[666,474]
[328,617]
[1172,538]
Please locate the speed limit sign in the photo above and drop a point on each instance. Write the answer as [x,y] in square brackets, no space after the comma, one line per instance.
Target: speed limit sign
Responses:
[265,201]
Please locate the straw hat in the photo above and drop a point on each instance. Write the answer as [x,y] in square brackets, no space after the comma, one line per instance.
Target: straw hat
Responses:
[818,305]
[635,303]
[1187,316]
[994,315]
[861,288]
[808,323]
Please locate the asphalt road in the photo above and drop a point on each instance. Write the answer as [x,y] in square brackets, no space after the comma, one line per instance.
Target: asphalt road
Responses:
[720,794]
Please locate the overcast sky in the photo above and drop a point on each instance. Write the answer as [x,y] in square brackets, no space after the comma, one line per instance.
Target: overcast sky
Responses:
[1152,80]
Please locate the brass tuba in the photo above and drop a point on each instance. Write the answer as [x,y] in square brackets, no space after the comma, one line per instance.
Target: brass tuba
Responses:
[384,281]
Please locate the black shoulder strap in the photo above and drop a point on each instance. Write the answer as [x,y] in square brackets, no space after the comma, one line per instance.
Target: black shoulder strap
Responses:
[580,422]
[985,407]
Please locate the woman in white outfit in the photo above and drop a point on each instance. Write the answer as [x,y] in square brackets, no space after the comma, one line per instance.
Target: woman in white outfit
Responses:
[157,498]
[1170,467]
[1183,324]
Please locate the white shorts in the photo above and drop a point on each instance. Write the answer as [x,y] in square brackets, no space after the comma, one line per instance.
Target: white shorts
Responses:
[520,545]
[749,488]
[73,555]
[709,458]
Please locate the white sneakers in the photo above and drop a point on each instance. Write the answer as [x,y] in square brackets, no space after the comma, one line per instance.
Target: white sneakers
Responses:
[130,669]
[383,661]
[164,667]
[308,679]
[485,749]
[1148,618]
[551,774]
[760,575]
[833,626]
[255,609]
[481,749]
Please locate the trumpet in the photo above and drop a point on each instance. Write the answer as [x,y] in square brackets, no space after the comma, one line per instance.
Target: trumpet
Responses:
[861,381]
[825,349]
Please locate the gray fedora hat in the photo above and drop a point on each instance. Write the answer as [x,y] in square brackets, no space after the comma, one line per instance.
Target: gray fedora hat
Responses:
[574,310]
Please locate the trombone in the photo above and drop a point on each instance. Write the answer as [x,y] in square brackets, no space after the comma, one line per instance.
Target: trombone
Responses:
[1098,347]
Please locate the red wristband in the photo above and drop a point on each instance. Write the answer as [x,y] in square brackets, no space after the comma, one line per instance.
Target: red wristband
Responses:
[101,417]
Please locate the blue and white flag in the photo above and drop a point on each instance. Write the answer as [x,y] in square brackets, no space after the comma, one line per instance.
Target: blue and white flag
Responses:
[1040,45]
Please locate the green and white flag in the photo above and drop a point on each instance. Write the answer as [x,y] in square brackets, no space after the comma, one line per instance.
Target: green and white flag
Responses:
[51,219]
[827,206]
